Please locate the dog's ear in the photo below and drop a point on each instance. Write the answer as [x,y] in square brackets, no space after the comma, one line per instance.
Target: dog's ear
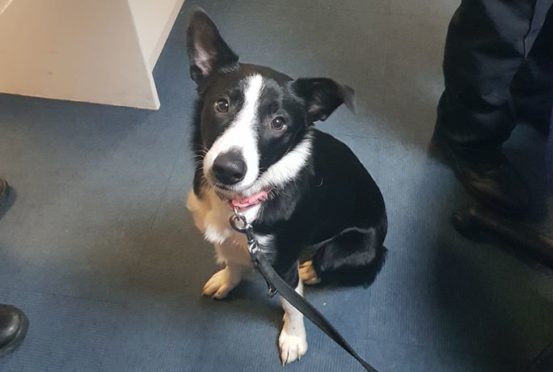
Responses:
[322,96]
[207,51]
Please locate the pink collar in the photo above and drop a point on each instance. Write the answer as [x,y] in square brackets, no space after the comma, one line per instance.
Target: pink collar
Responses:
[241,203]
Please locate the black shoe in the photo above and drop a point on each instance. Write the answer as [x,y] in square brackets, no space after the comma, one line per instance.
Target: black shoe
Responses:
[486,174]
[3,189]
[13,328]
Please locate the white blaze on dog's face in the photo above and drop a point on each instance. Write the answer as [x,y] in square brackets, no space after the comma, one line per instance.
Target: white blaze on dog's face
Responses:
[255,121]
[232,161]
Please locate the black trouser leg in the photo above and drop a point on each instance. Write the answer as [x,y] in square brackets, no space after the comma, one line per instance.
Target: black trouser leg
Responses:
[549,154]
[532,87]
[487,43]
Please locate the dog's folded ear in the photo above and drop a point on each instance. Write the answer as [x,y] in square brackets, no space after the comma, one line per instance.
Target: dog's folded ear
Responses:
[322,96]
[207,51]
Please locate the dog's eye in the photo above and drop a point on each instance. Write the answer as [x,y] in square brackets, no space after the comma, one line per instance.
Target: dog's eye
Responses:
[222,105]
[278,123]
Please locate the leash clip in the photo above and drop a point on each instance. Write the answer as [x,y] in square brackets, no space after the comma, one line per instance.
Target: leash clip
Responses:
[239,223]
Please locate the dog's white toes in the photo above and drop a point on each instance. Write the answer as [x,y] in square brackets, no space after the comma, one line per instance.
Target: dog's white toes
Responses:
[220,284]
[308,274]
[292,347]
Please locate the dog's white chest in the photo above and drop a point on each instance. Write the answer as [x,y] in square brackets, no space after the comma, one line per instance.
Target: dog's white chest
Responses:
[211,217]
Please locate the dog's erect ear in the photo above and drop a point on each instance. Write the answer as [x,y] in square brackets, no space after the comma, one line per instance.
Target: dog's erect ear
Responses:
[322,96]
[207,51]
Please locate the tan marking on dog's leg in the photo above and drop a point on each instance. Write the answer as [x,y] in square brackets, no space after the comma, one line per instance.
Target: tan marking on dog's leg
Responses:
[308,274]
[223,281]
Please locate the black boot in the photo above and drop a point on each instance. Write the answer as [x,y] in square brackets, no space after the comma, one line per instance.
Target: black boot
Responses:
[486,174]
[13,328]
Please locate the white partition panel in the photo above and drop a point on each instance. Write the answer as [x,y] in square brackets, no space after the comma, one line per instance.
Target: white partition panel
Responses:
[84,50]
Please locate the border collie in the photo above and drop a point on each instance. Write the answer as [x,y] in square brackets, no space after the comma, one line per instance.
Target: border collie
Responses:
[257,151]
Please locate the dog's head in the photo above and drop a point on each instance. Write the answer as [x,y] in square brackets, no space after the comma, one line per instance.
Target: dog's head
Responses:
[254,121]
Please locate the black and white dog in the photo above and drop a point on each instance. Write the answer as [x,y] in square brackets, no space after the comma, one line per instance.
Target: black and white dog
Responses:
[257,151]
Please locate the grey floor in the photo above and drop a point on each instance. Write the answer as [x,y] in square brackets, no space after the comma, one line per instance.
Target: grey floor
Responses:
[97,247]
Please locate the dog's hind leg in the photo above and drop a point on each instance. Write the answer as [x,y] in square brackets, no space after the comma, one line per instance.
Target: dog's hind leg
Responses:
[352,257]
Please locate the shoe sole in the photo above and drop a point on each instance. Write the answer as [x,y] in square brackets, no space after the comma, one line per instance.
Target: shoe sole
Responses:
[19,337]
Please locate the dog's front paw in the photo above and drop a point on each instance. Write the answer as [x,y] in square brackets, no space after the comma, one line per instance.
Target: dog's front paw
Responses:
[221,283]
[292,346]
[308,274]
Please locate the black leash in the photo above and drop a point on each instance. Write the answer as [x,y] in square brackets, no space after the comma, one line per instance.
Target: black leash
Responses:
[277,284]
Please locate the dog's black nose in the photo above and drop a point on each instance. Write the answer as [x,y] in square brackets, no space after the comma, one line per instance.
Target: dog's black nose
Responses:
[229,168]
